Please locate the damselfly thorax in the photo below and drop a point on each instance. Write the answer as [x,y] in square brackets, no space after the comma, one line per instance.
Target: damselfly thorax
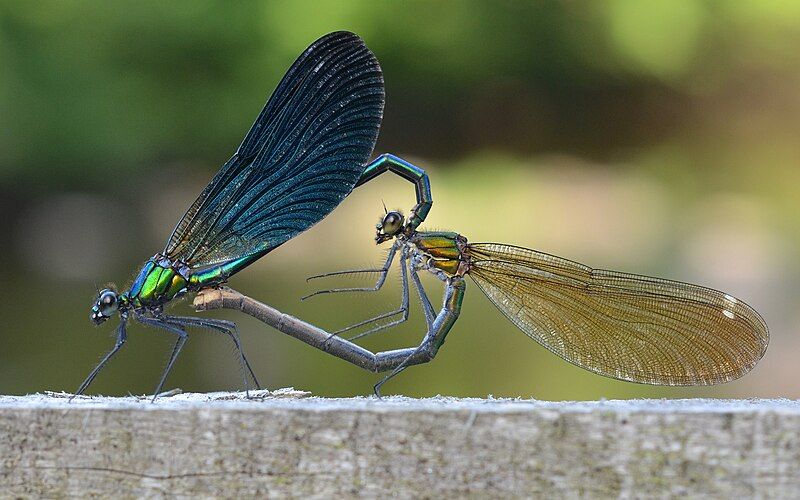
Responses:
[159,281]
[441,252]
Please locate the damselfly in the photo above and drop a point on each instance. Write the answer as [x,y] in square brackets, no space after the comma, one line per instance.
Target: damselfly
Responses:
[624,326]
[303,155]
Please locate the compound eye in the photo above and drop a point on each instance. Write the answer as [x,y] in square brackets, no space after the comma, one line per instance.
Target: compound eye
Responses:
[392,223]
[107,302]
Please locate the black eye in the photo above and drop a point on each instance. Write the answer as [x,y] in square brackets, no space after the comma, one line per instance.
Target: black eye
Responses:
[107,302]
[392,223]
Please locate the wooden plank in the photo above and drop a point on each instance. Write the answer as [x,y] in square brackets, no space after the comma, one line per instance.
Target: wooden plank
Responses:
[285,444]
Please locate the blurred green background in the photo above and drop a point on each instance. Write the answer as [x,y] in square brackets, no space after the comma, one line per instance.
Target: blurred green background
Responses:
[654,137]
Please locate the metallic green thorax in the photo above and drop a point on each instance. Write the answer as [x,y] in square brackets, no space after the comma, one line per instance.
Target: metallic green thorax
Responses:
[445,249]
[161,280]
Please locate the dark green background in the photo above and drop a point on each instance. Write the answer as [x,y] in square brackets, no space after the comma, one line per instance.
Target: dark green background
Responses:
[654,137]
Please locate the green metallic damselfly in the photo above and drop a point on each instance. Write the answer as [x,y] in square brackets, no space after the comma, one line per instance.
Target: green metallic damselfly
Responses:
[624,326]
[303,155]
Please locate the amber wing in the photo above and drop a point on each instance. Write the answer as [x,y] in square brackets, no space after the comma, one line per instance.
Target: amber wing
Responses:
[624,326]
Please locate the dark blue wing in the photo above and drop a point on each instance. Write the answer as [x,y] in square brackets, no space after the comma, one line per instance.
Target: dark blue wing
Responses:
[302,156]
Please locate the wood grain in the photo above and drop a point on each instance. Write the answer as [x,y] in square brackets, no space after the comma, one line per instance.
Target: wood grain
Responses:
[287,444]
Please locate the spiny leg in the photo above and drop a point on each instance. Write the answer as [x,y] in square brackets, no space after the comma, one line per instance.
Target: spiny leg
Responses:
[426,305]
[437,331]
[403,309]
[399,368]
[384,272]
[430,316]
[228,328]
[427,308]
[122,336]
[345,272]
[176,350]
[425,345]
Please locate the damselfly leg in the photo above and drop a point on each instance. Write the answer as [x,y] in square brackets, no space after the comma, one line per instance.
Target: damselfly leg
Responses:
[427,308]
[226,327]
[452,310]
[383,273]
[122,336]
[404,301]
[176,350]
[403,309]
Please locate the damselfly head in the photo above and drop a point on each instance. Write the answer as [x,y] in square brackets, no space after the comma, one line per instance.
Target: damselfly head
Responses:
[389,227]
[106,306]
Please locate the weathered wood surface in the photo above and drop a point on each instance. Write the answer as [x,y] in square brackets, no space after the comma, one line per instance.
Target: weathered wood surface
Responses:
[285,444]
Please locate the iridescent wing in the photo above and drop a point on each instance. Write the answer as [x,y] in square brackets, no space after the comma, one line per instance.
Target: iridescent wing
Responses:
[623,326]
[302,156]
